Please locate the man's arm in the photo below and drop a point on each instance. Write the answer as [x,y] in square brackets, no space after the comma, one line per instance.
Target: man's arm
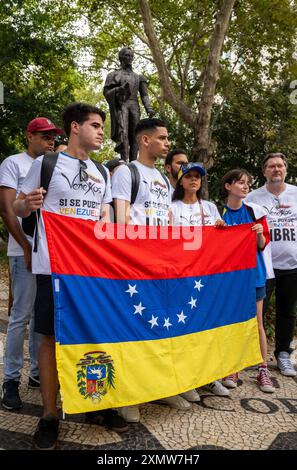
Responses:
[27,203]
[105,213]
[7,198]
[122,211]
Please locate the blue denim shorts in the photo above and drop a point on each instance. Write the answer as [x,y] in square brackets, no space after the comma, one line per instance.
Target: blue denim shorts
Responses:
[260,293]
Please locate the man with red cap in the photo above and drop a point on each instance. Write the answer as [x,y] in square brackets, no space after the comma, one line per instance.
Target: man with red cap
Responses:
[41,133]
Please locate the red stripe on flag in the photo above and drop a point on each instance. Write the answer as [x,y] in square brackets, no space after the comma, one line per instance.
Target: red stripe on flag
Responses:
[74,249]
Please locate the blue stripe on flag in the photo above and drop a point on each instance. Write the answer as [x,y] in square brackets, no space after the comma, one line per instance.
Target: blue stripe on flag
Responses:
[95,310]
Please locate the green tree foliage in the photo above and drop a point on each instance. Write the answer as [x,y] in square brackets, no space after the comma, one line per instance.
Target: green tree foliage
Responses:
[37,66]
[44,43]
[252,113]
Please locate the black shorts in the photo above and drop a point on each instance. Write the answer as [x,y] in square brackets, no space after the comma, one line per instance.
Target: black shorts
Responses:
[44,306]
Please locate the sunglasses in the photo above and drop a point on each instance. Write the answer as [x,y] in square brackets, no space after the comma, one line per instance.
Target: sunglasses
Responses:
[83,175]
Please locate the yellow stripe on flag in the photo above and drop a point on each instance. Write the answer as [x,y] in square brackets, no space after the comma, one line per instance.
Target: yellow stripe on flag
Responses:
[145,371]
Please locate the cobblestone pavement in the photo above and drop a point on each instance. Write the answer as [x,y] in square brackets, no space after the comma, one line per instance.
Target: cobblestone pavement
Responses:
[249,420]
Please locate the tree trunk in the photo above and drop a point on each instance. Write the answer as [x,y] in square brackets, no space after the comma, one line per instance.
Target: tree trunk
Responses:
[200,123]
[202,137]
[186,113]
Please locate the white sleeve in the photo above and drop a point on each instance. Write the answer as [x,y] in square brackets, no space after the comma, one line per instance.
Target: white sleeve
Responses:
[107,195]
[32,179]
[213,210]
[174,210]
[216,213]
[9,174]
[250,197]
[121,184]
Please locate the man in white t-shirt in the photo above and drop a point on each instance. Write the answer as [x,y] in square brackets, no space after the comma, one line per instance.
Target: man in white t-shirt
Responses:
[173,162]
[77,189]
[151,205]
[279,199]
[41,133]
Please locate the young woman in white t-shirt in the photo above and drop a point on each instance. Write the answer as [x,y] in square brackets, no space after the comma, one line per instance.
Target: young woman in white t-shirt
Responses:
[189,209]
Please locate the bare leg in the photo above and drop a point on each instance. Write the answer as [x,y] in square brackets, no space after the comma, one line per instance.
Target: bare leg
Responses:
[262,334]
[48,375]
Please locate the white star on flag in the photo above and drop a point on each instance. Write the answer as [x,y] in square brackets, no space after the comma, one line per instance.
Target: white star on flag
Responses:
[181,317]
[167,323]
[132,290]
[138,308]
[198,285]
[193,303]
[153,321]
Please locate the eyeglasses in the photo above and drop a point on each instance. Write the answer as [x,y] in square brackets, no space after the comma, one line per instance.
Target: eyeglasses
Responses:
[83,175]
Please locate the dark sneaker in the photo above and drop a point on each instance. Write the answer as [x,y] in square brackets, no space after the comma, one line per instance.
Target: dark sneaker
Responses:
[108,418]
[10,398]
[46,434]
[34,382]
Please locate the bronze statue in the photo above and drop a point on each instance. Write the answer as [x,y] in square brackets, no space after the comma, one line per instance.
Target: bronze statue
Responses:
[121,90]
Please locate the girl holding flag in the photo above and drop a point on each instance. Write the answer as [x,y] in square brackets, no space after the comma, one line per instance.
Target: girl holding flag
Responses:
[189,209]
[235,187]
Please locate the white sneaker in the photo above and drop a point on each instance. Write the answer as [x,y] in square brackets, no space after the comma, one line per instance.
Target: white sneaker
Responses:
[218,389]
[191,395]
[130,413]
[176,402]
[285,365]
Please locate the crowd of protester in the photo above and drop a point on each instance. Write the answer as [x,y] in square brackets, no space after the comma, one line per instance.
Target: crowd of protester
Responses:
[131,189]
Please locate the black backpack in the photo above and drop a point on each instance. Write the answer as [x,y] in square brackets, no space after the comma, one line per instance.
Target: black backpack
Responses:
[48,165]
[135,180]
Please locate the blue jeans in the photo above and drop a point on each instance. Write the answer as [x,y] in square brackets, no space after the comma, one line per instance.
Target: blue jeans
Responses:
[23,284]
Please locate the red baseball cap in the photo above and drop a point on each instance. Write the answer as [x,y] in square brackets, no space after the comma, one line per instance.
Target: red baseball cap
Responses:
[42,124]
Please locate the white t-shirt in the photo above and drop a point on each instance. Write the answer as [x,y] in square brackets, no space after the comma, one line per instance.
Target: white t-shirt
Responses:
[152,203]
[190,214]
[281,213]
[67,195]
[12,174]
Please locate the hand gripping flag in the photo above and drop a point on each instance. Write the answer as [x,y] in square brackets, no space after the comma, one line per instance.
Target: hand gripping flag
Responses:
[137,320]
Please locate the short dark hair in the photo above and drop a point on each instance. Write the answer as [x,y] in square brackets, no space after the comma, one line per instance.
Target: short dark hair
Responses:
[172,153]
[274,155]
[148,124]
[231,177]
[79,112]
[179,191]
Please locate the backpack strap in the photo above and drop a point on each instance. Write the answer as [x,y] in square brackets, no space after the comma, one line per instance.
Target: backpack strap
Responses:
[101,169]
[135,181]
[166,181]
[251,212]
[47,168]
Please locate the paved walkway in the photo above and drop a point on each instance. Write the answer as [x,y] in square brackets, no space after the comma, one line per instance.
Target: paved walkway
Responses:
[249,420]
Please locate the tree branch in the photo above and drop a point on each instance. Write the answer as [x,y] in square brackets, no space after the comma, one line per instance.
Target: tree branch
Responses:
[169,94]
[202,138]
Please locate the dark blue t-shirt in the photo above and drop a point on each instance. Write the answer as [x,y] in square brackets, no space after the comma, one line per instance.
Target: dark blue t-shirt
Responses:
[242,216]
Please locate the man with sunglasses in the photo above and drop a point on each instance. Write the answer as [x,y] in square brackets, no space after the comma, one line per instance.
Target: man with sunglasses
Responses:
[40,135]
[279,199]
[76,189]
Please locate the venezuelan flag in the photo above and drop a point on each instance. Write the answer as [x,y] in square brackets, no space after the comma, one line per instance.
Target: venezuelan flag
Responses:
[140,319]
